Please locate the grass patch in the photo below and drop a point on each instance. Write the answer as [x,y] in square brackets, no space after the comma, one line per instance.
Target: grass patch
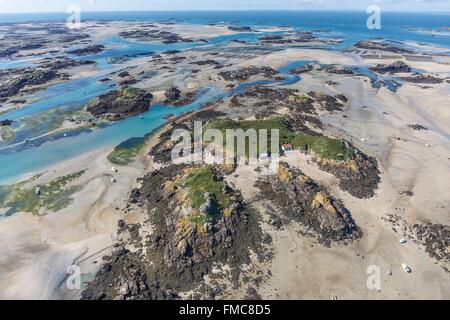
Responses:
[197,183]
[130,92]
[53,196]
[324,147]
[127,151]
[302,98]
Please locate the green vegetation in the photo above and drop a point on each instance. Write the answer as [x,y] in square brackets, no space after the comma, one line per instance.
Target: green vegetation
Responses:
[324,147]
[126,152]
[53,196]
[302,98]
[130,92]
[45,121]
[200,181]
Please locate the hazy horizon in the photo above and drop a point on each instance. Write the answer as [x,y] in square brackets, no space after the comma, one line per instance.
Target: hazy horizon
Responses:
[51,6]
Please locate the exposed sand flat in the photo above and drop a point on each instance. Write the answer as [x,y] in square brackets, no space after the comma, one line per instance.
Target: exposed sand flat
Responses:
[185,30]
[41,248]
[304,269]
[282,58]
[199,31]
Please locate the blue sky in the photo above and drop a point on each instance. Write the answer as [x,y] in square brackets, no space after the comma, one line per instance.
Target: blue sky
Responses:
[7,6]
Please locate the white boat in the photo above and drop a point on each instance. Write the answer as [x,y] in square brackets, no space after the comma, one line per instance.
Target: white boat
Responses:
[406,268]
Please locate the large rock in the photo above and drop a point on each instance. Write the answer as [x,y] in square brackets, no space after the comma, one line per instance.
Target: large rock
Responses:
[247,73]
[93,49]
[396,67]
[175,97]
[120,104]
[28,78]
[173,94]
[300,198]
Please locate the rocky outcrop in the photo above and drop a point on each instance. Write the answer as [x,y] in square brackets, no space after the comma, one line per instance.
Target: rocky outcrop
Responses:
[417,127]
[173,94]
[28,78]
[60,64]
[4,123]
[93,49]
[247,73]
[435,238]
[74,37]
[295,37]
[302,69]
[31,44]
[263,102]
[359,176]
[214,63]
[422,78]
[181,251]
[240,28]
[337,69]
[396,67]
[300,198]
[165,37]
[175,97]
[372,45]
[120,104]
[329,103]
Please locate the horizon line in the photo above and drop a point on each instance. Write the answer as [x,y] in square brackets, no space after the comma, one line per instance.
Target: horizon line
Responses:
[230,10]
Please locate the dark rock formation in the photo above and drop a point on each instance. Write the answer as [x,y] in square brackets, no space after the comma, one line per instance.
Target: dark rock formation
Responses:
[240,28]
[302,69]
[300,198]
[4,123]
[206,62]
[179,253]
[395,67]
[372,45]
[336,69]
[28,78]
[247,73]
[359,176]
[263,102]
[93,49]
[74,37]
[175,97]
[124,74]
[426,79]
[417,127]
[173,94]
[165,37]
[128,81]
[295,37]
[328,102]
[289,38]
[120,104]
[66,63]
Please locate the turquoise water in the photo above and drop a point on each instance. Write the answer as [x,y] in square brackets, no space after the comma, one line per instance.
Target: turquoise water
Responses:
[29,160]
[30,152]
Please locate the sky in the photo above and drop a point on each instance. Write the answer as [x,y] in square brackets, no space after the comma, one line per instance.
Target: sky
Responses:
[12,6]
